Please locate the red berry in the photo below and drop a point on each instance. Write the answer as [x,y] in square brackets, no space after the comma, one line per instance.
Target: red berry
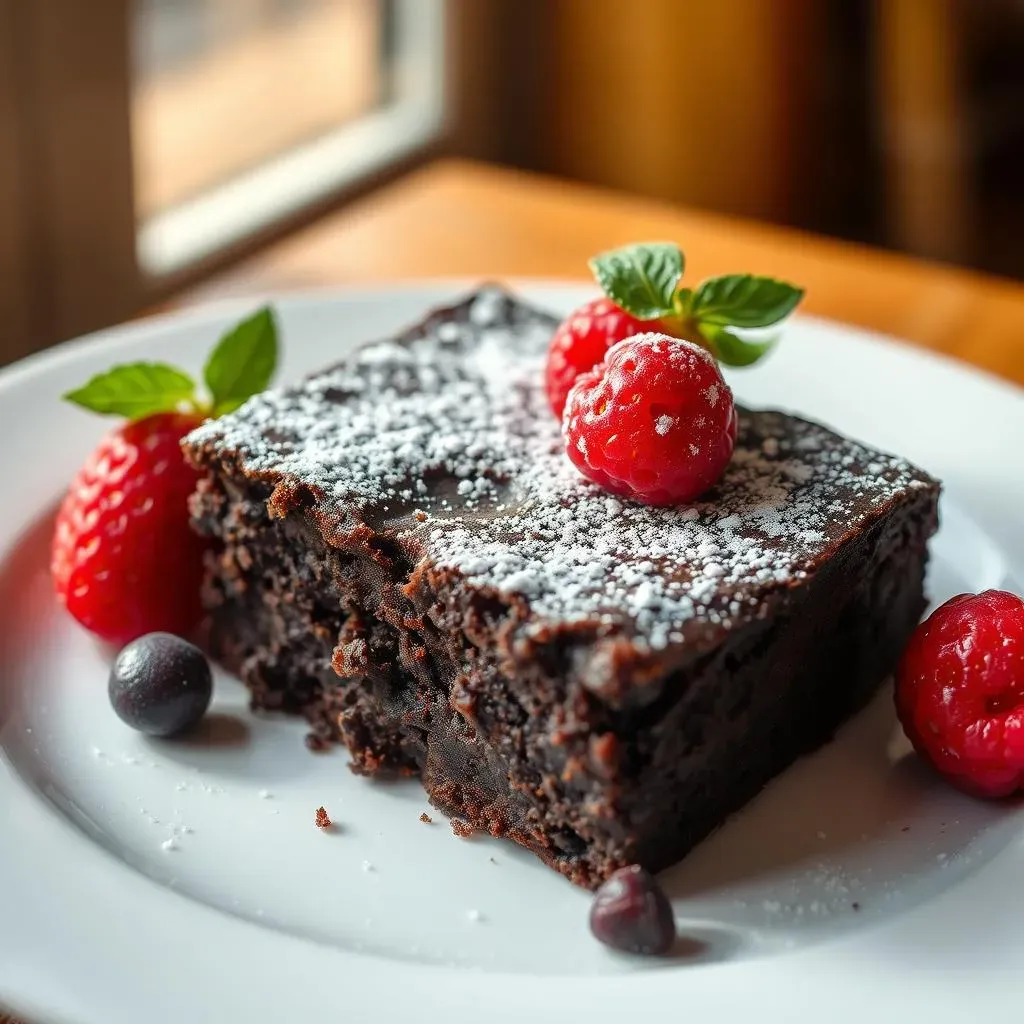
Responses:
[960,692]
[654,422]
[124,560]
[581,342]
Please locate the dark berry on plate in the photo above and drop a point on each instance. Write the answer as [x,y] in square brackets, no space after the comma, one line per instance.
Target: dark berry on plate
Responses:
[632,914]
[160,684]
[125,560]
[960,692]
[654,422]
[580,343]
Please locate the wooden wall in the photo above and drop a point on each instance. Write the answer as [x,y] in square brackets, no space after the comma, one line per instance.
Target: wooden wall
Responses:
[703,103]
[892,122]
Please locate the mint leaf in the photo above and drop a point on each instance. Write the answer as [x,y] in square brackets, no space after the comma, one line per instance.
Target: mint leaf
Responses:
[135,390]
[744,300]
[731,350]
[641,279]
[243,362]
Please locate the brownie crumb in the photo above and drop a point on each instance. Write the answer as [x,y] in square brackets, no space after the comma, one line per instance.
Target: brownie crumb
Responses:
[856,906]
[906,828]
[426,818]
[462,829]
[323,820]
[316,743]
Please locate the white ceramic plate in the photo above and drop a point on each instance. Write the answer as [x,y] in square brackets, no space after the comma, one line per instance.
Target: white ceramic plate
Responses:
[185,881]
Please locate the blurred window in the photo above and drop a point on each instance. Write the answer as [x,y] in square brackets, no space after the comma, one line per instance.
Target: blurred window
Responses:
[143,140]
[244,110]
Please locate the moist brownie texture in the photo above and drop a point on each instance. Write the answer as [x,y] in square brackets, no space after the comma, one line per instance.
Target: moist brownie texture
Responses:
[405,555]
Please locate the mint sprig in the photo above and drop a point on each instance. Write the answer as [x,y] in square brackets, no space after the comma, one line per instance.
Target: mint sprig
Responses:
[135,390]
[744,300]
[644,280]
[732,350]
[243,362]
[240,365]
[641,279]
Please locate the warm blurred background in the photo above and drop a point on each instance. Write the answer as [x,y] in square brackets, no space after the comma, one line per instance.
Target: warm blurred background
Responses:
[146,144]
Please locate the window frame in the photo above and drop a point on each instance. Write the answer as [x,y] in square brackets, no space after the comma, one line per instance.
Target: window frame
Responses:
[175,239]
[74,82]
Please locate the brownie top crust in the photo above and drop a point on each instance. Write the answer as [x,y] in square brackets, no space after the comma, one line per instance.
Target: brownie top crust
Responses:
[442,441]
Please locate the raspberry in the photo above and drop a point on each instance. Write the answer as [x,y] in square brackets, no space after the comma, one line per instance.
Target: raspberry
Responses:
[580,343]
[654,422]
[960,692]
[124,559]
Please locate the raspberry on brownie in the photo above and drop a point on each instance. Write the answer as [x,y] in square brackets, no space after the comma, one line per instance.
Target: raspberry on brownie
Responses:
[405,554]
[654,422]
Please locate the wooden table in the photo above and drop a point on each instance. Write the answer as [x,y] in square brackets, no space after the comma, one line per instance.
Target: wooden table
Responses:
[460,219]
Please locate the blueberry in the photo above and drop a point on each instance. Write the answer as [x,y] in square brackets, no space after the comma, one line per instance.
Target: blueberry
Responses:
[160,684]
[631,913]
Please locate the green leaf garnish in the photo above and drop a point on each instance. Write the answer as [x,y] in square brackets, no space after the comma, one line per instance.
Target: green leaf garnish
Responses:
[641,279]
[243,362]
[744,300]
[135,390]
[644,280]
[731,350]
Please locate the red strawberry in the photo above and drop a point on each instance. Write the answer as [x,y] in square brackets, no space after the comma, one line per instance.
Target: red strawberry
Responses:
[124,559]
[580,343]
[635,376]
[643,293]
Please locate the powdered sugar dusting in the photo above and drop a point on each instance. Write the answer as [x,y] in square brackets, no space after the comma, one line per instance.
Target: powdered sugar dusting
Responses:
[445,439]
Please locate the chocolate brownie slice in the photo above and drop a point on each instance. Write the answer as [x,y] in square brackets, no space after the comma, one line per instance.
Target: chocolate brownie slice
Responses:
[406,556]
